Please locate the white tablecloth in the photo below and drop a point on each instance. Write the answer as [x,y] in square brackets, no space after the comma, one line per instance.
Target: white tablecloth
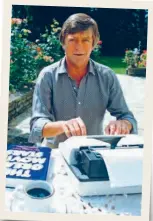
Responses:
[67,196]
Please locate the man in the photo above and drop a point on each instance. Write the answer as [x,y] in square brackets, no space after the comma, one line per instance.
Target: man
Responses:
[72,95]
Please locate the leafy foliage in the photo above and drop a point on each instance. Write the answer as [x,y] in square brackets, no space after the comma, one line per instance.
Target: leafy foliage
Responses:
[96,53]
[28,58]
[143,59]
[22,62]
[49,48]
[119,28]
[134,59]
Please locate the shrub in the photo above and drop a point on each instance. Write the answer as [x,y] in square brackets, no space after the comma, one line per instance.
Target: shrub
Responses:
[48,47]
[134,59]
[143,59]
[96,53]
[28,58]
[22,62]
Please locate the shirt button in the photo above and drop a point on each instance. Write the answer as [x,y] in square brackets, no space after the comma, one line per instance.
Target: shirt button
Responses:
[79,102]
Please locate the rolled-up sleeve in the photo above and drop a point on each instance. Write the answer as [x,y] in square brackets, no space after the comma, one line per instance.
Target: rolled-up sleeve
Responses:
[42,112]
[117,105]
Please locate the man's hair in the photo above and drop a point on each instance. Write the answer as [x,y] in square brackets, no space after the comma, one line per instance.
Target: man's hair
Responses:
[77,23]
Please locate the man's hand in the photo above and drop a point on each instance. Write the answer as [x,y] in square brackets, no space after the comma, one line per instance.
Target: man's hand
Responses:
[118,127]
[74,127]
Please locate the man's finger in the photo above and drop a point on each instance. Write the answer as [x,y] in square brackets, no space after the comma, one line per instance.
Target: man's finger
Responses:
[107,129]
[112,129]
[125,129]
[66,130]
[71,128]
[82,126]
[118,129]
[76,127]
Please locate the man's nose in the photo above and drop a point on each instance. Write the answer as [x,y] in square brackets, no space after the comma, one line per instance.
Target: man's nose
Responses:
[79,45]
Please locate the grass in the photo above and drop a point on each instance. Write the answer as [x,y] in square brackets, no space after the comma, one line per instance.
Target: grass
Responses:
[115,63]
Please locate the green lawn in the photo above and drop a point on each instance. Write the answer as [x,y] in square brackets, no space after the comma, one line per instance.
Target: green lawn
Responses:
[115,63]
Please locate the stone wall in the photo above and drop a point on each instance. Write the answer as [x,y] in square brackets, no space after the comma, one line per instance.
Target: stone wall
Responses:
[19,105]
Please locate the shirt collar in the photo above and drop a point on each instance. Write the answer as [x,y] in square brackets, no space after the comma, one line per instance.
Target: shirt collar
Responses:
[91,67]
[62,66]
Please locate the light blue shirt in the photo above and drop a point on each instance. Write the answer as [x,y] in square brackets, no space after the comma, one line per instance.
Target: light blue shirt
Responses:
[56,97]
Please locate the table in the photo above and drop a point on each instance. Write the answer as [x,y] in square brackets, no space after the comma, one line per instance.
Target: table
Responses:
[74,204]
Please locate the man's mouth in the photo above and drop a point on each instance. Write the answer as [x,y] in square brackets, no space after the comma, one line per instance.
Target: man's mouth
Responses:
[78,54]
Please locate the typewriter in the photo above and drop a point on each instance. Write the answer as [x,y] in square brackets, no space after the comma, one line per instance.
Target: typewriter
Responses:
[103,165]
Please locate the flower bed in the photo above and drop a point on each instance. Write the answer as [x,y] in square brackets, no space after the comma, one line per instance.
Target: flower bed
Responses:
[28,58]
[136,62]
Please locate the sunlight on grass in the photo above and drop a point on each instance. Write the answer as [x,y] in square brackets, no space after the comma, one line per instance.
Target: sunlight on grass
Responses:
[115,63]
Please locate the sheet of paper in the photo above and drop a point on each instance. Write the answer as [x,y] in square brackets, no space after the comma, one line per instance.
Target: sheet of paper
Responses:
[124,166]
[131,139]
[77,141]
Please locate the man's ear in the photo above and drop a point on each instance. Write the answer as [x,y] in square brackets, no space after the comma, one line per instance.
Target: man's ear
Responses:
[93,47]
[63,46]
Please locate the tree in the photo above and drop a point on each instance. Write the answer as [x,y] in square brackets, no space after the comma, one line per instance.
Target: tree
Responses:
[119,28]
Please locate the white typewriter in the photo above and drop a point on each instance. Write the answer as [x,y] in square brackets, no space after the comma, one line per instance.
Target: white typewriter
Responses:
[103,165]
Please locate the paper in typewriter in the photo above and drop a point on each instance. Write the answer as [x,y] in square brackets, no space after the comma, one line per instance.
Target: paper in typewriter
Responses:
[131,139]
[77,141]
[124,166]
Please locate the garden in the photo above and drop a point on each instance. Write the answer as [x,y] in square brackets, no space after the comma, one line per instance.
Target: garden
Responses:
[27,58]
[28,55]
[35,44]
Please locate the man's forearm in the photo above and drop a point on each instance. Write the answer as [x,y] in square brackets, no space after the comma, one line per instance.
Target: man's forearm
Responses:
[52,129]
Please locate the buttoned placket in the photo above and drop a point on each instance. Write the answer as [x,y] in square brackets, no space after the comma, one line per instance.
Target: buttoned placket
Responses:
[81,96]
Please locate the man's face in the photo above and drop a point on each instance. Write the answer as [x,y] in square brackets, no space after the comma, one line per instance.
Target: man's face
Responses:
[78,47]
